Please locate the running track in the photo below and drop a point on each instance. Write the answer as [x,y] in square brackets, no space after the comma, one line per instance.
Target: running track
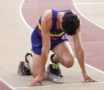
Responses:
[92,35]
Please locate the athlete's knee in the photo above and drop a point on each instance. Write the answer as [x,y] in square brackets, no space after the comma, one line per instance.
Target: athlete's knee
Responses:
[69,63]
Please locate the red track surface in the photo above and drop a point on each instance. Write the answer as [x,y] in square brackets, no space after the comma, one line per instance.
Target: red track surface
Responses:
[3,86]
[92,36]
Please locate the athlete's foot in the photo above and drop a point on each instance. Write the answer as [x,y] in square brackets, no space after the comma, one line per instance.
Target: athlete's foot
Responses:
[53,74]
[23,68]
[55,68]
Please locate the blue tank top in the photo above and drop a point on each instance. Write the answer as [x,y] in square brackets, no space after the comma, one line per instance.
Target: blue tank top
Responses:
[54,32]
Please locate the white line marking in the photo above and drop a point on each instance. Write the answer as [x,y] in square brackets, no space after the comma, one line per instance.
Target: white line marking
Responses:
[92,23]
[62,85]
[7,84]
[85,16]
[100,71]
[21,15]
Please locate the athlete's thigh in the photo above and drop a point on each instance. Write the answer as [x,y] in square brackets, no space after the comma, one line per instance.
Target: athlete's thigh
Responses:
[64,51]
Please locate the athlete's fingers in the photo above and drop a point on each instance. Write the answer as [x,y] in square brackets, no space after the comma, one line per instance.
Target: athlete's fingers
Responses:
[89,80]
[33,83]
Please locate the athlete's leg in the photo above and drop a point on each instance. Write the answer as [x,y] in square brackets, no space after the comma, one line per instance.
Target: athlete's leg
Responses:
[34,63]
[30,65]
[64,54]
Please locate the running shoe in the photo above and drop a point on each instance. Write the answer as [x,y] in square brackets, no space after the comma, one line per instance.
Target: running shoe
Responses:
[53,75]
[23,68]
[55,68]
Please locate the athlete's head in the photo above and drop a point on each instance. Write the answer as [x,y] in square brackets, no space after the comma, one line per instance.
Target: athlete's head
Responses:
[70,23]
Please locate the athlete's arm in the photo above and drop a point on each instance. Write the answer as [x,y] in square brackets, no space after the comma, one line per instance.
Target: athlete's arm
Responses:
[80,54]
[79,50]
[46,22]
[46,25]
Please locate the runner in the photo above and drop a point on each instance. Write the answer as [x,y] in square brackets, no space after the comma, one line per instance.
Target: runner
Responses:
[51,33]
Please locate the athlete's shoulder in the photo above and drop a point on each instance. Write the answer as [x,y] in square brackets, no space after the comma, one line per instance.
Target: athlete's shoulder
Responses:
[47,12]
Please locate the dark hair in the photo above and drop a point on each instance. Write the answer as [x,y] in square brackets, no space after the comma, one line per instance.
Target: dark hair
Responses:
[70,23]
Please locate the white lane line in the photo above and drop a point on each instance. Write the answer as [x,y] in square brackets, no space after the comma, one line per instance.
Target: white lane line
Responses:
[75,5]
[7,84]
[98,70]
[21,15]
[62,85]
[93,68]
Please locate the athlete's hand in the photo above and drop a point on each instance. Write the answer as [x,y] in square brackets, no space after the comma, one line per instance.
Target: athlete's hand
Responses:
[88,79]
[38,80]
